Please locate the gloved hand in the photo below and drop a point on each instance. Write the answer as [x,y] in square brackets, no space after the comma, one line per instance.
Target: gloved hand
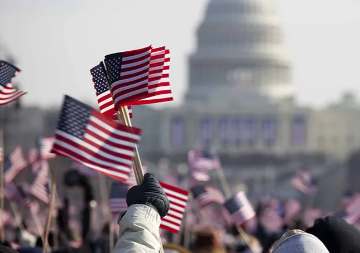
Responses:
[149,193]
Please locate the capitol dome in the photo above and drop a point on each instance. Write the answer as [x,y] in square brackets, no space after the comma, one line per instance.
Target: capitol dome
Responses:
[240,56]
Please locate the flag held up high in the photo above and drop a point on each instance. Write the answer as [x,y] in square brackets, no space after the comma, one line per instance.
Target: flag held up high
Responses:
[90,138]
[13,164]
[240,208]
[7,72]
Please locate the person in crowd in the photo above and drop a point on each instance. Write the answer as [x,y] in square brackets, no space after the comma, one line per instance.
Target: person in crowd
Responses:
[207,241]
[297,241]
[139,225]
[6,249]
[337,235]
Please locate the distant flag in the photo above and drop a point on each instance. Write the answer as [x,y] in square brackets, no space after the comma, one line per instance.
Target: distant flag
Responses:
[347,197]
[90,138]
[7,72]
[40,187]
[305,182]
[178,199]
[240,208]
[159,90]
[82,169]
[9,94]
[205,195]
[12,193]
[351,212]
[46,145]
[118,197]
[128,75]
[33,206]
[4,218]
[200,163]
[200,158]
[131,181]
[13,164]
[292,208]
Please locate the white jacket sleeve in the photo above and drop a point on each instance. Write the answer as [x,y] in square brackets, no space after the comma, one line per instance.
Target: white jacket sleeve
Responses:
[139,231]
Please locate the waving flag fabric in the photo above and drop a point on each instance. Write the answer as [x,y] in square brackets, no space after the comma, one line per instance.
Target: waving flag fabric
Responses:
[205,195]
[128,75]
[46,144]
[103,95]
[240,208]
[9,94]
[178,199]
[40,187]
[13,164]
[81,168]
[88,137]
[159,89]
[118,197]
[7,72]
[305,182]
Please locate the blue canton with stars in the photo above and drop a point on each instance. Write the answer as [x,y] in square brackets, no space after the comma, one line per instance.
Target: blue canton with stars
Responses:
[233,205]
[74,117]
[198,190]
[118,190]
[113,66]
[99,80]
[7,72]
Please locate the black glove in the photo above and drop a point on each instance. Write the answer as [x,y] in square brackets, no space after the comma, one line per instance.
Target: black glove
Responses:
[149,193]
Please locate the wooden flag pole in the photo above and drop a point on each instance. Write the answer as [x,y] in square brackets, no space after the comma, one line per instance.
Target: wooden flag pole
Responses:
[104,195]
[17,214]
[2,183]
[51,203]
[56,196]
[228,194]
[124,118]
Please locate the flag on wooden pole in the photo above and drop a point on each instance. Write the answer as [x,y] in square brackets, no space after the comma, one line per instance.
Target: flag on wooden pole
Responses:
[7,72]
[8,94]
[88,137]
[13,164]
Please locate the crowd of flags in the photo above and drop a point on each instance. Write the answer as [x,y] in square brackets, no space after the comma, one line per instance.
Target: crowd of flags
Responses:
[97,143]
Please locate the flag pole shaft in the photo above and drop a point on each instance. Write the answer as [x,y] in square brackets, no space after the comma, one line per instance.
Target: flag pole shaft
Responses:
[202,213]
[224,182]
[228,193]
[104,196]
[2,184]
[124,118]
[51,203]
[38,225]
[17,214]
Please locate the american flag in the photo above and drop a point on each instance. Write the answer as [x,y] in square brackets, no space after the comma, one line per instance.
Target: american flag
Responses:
[200,163]
[178,199]
[24,197]
[13,164]
[46,145]
[205,195]
[103,95]
[11,192]
[128,74]
[240,208]
[292,208]
[9,94]
[88,137]
[4,218]
[40,187]
[7,72]
[159,89]
[82,169]
[351,213]
[131,181]
[305,182]
[118,197]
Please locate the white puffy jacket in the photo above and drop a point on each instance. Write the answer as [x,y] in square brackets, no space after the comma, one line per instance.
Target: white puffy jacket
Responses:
[139,231]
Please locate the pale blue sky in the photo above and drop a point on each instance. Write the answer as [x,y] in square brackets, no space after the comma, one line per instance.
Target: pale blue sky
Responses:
[57,42]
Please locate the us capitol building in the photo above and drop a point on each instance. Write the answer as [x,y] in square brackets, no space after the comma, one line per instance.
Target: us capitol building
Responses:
[240,97]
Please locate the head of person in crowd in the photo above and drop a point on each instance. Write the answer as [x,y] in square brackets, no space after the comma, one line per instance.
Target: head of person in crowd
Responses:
[206,240]
[297,241]
[337,235]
